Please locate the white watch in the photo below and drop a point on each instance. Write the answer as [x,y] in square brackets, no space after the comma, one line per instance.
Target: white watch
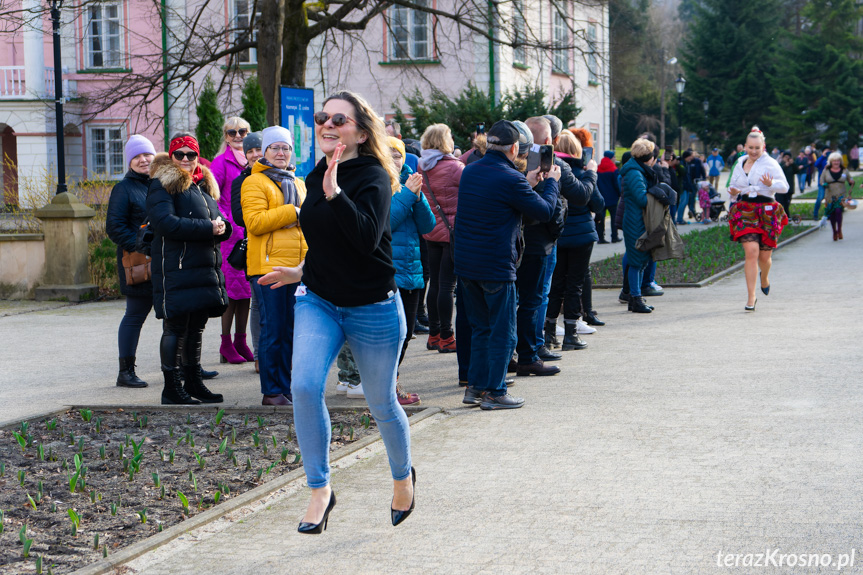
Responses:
[336,193]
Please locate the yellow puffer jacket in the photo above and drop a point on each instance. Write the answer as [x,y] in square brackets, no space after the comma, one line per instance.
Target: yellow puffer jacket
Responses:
[266,216]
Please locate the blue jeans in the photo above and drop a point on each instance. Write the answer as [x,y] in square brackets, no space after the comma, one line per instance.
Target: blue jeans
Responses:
[801,182]
[491,311]
[550,263]
[636,276]
[818,201]
[375,333]
[463,333]
[529,283]
[686,200]
[275,345]
[648,275]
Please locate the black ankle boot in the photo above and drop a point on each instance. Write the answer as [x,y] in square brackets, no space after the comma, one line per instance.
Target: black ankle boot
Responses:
[127,377]
[551,341]
[195,387]
[173,393]
[570,338]
[637,305]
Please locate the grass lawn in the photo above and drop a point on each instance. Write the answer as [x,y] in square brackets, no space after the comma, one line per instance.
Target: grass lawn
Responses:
[856,192]
[707,252]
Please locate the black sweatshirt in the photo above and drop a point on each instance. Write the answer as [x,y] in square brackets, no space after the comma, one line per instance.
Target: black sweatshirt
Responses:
[349,262]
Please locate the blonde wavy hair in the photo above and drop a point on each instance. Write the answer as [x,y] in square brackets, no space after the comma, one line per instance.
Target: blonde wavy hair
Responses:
[569,144]
[438,137]
[642,149]
[377,142]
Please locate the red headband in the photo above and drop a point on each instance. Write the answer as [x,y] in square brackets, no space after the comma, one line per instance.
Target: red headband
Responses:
[178,143]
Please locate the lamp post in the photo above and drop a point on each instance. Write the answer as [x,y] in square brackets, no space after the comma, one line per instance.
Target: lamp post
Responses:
[58,97]
[680,84]
[706,105]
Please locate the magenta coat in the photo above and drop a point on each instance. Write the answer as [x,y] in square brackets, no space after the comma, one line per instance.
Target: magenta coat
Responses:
[225,168]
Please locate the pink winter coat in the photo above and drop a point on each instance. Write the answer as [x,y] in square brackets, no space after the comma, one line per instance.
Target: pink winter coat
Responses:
[444,178]
[225,168]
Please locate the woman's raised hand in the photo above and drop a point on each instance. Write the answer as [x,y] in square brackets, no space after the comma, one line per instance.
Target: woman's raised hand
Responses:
[767,180]
[281,276]
[415,183]
[330,183]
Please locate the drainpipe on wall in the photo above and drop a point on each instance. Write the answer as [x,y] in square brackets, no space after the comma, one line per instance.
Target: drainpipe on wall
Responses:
[165,68]
[492,89]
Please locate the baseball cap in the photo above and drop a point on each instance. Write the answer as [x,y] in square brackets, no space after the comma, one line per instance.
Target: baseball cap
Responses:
[502,133]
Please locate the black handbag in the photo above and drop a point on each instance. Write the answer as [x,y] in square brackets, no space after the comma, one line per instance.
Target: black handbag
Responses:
[237,257]
[144,238]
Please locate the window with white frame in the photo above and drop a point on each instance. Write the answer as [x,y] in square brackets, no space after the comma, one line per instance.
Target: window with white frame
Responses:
[410,33]
[242,16]
[561,42]
[105,150]
[519,32]
[103,37]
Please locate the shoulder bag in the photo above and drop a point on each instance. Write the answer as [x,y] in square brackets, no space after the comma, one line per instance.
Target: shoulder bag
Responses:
[137,267]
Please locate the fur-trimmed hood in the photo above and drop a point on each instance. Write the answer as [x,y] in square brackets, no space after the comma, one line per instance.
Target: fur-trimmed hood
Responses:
[176,181]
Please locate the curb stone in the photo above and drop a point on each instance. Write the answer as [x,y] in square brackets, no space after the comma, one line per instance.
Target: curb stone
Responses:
[217,512]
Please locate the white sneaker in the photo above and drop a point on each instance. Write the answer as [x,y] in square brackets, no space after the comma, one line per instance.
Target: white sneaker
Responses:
[356,391]
[342,387]
[583,328]
[559,330]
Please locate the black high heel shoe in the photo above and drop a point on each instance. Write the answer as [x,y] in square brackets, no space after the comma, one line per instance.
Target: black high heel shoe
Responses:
[751,307]
[317,528]
[764,290]
[399,516]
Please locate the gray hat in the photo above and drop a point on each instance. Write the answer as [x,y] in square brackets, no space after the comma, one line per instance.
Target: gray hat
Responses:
[556,125]
[251,141]
[525,137]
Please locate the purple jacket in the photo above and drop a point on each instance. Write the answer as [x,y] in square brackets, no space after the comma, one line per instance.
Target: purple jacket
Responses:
[225,168]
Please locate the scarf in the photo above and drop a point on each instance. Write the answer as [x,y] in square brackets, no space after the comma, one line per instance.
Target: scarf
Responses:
[285,180]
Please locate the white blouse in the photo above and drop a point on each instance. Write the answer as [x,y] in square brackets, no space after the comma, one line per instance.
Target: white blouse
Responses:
[751,186]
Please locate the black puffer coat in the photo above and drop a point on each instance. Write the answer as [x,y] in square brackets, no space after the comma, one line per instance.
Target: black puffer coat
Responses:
[187,262]
[127,210]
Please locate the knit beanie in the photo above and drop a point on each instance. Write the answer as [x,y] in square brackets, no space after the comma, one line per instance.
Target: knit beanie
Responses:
[398,145]
[252,141]
[556,125]
[275,134]
[525,138]
[137,145]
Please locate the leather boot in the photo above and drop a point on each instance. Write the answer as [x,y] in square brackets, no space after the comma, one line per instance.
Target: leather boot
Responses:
[195,387]
[550,336]
[571,340]
[173,393]
[127,377]
[637,305]
[242,348]
[227,352]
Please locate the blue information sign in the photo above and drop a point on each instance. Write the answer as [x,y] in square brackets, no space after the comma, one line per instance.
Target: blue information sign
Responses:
[298,109]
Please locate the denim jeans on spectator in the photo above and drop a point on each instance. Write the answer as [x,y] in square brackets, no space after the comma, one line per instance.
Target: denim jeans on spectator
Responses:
[491,310]
[463,333]
[648,275]
[276,308]
[254,320]
[818,201]
[801,182]
[137,310]
[441,289]
[636,277]
[529,282]
[375,333]
[681,205]
[550,263]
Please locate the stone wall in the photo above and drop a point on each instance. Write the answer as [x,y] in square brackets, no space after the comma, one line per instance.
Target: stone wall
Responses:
[22,264]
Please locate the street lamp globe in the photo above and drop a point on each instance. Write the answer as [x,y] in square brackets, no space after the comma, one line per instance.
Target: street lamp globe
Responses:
[680,83]
[706,105]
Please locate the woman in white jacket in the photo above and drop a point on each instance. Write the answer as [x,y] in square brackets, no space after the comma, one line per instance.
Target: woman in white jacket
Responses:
[756,218]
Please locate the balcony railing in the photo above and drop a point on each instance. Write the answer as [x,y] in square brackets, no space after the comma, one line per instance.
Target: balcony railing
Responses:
[13,83]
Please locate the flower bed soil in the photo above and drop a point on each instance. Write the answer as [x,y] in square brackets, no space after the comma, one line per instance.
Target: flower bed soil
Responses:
[708,252]
[131,468]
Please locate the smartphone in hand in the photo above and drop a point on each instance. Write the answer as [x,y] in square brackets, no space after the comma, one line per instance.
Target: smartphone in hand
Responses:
[586,155]
[540,156]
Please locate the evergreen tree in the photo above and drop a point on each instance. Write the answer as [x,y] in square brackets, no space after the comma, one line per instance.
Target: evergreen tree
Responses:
[210,121]
[254,105]
[728,58]
[819,78]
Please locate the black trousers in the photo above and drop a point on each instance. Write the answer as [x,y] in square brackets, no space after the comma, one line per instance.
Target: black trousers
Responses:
[441,289]
[599,220]
[188,329]
[410,301]
[567,283]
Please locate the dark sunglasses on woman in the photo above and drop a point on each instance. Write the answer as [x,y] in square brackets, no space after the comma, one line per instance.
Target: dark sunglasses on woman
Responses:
[178,155]
[242,132]
[339,119]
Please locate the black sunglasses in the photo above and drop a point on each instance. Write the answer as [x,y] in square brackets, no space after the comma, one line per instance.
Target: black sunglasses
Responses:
[233,133]
[339,119]
[178,155]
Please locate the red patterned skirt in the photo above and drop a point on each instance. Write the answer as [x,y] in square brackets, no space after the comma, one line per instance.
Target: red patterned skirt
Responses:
[765,219]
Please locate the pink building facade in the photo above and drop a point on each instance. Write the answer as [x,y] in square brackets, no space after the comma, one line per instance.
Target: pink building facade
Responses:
[105,41]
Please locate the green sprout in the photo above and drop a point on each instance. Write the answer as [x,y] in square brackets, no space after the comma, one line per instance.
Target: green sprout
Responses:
[95,542]
[297,458]
[2,468]
[21,475]
[2,517]
[184,501]
[217,496]
[143,515]
[270,468]
[352,433]
[202,462]
[233,435]
[246,421]
[31,502]
[113,509]
[86,415]
[22,440]
[120,451]
[81,445]
[171,432]
[248,463]
[26,551]
[275,441]
[256,439]
[143,422]
[207,447]
[102,452]
[261,422]
[98,425]
[194,481]
[93,496]
[219,416]
[171,457]
[38,565]
[76,522]
[259,473]
[24,426]
[188,419]
[290,434]
[104,551]
[40,452]
[136,447]
[223,445]
[285,453]
[51,425]
[22,533]
[156,481]
[39,492]
[162,491]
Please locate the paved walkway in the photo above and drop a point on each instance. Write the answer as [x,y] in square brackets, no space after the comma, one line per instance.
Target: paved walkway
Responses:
[676,435]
